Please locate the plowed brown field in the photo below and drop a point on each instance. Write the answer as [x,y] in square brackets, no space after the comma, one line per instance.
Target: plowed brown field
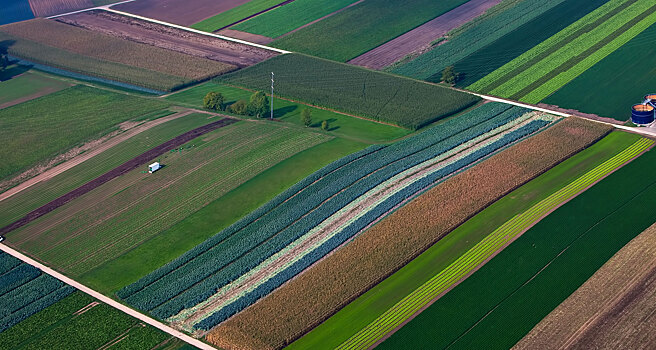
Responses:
[45,8]
[182,12]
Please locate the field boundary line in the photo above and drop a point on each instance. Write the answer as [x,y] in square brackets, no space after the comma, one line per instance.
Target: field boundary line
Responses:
[186,338]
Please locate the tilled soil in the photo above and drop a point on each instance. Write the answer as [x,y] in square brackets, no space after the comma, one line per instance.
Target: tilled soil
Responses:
[161,36]
[421,37]
[134,163]
[182,12]
[45,8]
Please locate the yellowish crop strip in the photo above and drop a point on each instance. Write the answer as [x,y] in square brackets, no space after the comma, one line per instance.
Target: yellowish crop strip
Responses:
[477,255]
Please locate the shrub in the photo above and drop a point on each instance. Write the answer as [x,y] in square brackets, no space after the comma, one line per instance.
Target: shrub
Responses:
[240,107]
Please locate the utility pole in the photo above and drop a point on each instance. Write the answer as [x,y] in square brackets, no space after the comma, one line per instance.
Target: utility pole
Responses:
[271,95]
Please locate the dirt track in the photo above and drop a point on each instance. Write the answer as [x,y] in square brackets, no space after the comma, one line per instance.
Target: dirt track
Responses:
[134,163]
[182,12]
[421,37]
[89,153]
[168,38]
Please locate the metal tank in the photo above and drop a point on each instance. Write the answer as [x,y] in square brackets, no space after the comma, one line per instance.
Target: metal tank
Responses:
[650,99]
[642,114]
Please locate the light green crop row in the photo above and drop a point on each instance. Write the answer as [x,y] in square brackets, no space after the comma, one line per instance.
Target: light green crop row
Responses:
[565,77]
[466,264]
[571,50]
[546,45]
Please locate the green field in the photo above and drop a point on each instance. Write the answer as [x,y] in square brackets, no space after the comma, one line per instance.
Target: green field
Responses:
[60,326]
[610,87]
[17,86]
[363,27]
[340,124]
[364,310]
[233,15]
[532,276]
[37,130]
[17,206]
[380,96]
[214,217]
[499,21]
[544,69]
[286,18]
[489,58]
[123,213]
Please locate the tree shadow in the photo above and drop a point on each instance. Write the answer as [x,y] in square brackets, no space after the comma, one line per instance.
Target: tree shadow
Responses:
[281,112]
[12,71]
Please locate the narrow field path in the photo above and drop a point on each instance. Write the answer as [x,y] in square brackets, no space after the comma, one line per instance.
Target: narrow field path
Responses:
[421,298]
[50,173]
[164,328]
[135,162]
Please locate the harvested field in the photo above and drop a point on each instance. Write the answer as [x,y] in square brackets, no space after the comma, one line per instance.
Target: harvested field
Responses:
[423,36]
[45,8]
[182,12]
[304,302]
[613,309]
[130,165]
[63,46]
[121,214]
[164,37]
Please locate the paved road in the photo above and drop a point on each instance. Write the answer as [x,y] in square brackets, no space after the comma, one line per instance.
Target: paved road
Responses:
[187,339]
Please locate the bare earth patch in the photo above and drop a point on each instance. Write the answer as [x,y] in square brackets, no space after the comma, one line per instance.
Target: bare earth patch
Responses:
[421,37]
[161,36]
[182,12]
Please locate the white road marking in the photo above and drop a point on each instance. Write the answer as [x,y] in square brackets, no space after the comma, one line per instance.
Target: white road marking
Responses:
[187,339]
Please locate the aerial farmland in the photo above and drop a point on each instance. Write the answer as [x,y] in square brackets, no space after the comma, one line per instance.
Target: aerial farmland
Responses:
[314,174]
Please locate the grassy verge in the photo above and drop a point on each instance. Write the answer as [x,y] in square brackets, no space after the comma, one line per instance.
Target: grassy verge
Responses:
[217,215]
[340,124]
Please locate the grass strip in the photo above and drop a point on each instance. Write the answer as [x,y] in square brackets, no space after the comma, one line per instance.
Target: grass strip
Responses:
[485,249]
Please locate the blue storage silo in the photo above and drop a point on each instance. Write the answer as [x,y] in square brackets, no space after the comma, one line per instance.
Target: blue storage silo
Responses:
[642,114]
[650,99]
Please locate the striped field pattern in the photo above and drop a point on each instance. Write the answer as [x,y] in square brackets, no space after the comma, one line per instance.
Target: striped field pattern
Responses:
[484,250]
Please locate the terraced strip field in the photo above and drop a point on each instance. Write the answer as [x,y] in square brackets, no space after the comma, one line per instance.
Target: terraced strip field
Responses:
[277,224]
[86,233]
[286,18]
[363,27]
[573,57]
[476,36]
[79,322]
[332,283]
[25,290]
[348,221]
[483,251]
[83,51]
[374,95]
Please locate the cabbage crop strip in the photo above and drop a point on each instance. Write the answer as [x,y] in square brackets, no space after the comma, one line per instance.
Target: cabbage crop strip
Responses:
[483,251]
[24,291]
[242,247]
[572,51]
[379,96]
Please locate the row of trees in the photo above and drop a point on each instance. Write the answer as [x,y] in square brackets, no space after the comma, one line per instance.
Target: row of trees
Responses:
[257,106]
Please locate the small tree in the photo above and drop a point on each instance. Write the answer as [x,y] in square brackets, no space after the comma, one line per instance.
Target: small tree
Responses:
[306,117]
[449,75]
[3,61]
[214,100]
[324,125]
[258,104]
[240,107]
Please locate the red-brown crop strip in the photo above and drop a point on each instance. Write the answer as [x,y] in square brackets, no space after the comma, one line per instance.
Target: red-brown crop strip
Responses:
[116,172]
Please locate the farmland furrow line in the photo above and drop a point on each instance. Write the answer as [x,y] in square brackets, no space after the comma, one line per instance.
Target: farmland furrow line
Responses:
[390,319]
